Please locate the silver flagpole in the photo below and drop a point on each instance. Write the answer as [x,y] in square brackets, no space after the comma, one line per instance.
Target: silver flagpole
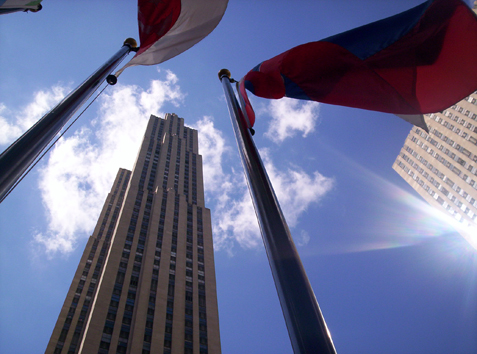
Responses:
[16,159]
[305,323]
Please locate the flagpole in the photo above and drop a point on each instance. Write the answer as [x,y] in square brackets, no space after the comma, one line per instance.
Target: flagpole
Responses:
[305,323]
[16,159]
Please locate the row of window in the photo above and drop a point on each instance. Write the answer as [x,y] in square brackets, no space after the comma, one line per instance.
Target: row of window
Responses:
[472,169]
[470,136]
[464,111]
[471,99]
[416,167]
[436,196]
[441,175]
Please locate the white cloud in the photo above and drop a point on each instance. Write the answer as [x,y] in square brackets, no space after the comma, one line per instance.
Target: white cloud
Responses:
[235,220]
[14,123]
[290,116]
[303,238]
[295,188]
[81,168]
[233,217]
[212,147]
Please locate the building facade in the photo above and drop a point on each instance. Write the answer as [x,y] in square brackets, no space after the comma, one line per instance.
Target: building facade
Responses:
[442,165]
[146,280]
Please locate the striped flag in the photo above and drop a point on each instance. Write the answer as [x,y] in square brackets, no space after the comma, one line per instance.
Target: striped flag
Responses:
[9,6]
[170,27]
[420,61]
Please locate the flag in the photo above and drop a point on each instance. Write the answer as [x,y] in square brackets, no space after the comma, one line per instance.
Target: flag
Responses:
[170,27]
[9,6]
[420,61]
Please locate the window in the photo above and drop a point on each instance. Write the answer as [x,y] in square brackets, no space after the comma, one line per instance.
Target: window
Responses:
[134,281]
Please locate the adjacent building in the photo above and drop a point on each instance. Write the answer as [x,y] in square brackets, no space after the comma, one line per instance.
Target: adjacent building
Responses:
[146,280]
[442,165]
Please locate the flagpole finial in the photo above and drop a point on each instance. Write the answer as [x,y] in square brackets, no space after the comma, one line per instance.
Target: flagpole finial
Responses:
[224,72]
[131,42]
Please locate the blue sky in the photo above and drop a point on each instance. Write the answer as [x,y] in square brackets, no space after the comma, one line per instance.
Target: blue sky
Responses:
[390,275]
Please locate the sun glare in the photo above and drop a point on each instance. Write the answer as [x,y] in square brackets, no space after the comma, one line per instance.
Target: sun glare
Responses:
[403,219]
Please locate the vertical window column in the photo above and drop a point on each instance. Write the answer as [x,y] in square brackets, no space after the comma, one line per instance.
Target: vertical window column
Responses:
[194,179]
[201,285]
[186,176]
[168,162]
[172,277]
[189,295]
[178,161]
[154,280]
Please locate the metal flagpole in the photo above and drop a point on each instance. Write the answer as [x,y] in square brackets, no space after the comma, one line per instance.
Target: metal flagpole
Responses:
[16,159]
[305,323]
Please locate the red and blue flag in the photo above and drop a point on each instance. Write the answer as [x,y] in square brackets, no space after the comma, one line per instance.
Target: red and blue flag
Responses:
[420,61]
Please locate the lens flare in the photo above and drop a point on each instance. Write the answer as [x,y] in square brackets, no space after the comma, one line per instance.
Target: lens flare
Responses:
[401,219]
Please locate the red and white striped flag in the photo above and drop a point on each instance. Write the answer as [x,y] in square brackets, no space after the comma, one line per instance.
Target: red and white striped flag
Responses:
[9,6]
[169,27]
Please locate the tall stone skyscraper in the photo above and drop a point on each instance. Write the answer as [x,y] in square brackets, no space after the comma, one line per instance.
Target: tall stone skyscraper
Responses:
[146,280]
[442,165]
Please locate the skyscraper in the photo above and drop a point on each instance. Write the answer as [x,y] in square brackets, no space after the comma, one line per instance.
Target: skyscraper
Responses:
[442,165]
[146,280]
